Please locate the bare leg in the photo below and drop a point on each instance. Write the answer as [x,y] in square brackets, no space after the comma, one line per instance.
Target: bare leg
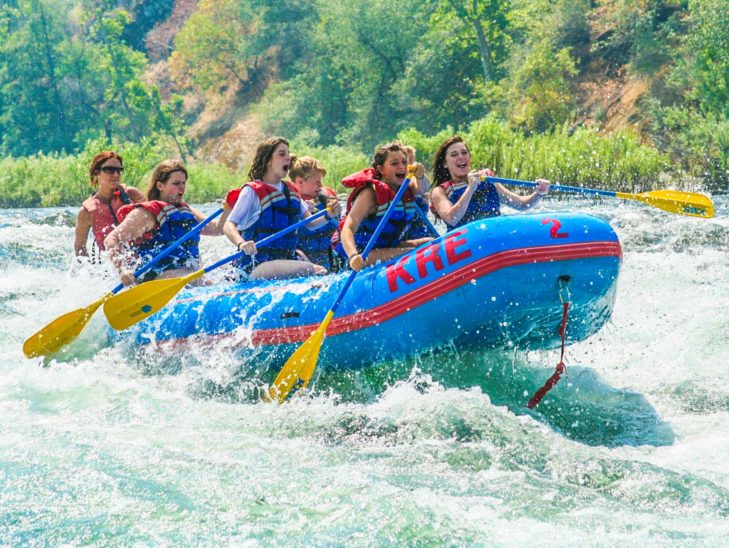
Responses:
[283,269]
[180,272]
[382,254]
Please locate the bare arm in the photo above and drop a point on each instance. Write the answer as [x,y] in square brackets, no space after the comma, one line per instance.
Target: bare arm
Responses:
[364,205]
[83,225]
[219,223]
[132,227]
[135,194]
[212,228]
[452,213]
[518,201]
[422,183]
[231,232]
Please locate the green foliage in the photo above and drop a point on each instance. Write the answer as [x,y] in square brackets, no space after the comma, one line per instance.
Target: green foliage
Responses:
[699,142]
[339,161]
[211,182]
[617,161]
[67,75]
[540,93]
[58,179]
[213,50]
[33,97]
[709,59]
[39,181]
[339,76]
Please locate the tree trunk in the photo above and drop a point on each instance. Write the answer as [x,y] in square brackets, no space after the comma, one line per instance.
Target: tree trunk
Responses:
[483,47]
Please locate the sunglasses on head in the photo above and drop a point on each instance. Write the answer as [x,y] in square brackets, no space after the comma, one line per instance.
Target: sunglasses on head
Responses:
[111,169]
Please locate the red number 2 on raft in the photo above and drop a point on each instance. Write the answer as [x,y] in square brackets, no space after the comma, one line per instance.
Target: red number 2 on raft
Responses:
[554,231]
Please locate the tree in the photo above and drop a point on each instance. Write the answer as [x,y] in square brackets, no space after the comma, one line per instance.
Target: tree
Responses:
[488,22]
[34,113]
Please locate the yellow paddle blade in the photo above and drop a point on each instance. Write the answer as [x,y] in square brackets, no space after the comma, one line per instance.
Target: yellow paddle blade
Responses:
[141,301]
[675,201]
[299,368]
[61,331]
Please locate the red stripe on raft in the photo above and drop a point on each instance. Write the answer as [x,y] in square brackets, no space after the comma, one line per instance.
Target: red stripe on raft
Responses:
[438,287]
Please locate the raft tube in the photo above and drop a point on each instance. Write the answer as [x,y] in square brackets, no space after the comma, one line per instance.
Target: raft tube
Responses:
[494,282]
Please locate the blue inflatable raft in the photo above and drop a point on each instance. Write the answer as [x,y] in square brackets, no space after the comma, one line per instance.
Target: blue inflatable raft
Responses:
[493,282]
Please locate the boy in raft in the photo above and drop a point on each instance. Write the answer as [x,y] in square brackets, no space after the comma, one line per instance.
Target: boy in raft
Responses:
[264,206]
[373,190]
[99,212]
[307,173]
[148,228]
[418,228]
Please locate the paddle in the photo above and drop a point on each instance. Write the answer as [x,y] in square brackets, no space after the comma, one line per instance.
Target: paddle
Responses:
[299,368]
[674,201]
[141,301]
[66,328]
[426,221]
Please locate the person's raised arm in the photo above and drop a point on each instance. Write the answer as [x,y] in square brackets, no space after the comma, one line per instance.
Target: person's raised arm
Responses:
[132,227]
[420,183]
[334,210]
[453,213]
[213,228]
[518,201]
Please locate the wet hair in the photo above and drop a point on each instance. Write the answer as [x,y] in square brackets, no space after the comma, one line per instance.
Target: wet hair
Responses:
[440,171]
[381,152]
[98,161]
[161,174]
[305,166]
[264,153]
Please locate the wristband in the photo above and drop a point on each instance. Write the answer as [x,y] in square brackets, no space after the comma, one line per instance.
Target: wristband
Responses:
[238,246]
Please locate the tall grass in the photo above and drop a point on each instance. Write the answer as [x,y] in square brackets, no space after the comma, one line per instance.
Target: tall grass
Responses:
[583,158]
[61,180]
[617,161]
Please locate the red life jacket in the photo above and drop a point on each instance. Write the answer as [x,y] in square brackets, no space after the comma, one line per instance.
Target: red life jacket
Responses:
[105,216]
[173,222]
[398,222]
[261,190]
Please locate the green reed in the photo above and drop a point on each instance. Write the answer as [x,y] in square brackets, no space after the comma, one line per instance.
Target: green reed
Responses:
[583,157]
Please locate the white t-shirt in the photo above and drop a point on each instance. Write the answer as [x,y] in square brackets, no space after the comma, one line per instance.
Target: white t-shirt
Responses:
[247,209]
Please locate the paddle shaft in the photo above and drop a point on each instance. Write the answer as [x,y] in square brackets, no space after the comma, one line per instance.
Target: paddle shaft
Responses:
[428,224]
[555,188]
[66,328]
[265,241]
[380,227]
[168,250]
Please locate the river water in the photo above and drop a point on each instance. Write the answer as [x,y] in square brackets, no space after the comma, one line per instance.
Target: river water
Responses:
[111,447]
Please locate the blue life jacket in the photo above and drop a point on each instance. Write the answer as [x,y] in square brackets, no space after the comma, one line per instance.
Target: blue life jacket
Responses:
[316,243]
[397,224]
[484,202]
[173,222]
[279,210]
[418,228]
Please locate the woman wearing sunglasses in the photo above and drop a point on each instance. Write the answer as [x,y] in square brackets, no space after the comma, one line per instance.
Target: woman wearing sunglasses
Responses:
[98,213]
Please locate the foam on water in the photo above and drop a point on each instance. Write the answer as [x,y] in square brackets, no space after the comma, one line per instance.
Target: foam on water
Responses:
[111,444]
